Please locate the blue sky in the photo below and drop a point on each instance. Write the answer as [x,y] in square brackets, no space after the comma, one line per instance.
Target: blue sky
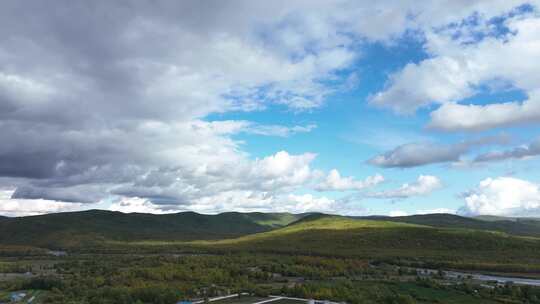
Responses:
[345,107]
[350,131]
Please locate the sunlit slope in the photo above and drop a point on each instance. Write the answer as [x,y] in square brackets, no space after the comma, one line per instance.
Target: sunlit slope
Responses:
[341,236]
[315,234]
[515,226]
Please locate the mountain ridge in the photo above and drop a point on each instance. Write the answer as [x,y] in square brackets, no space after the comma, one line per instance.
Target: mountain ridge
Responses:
[71,229]
[522,227]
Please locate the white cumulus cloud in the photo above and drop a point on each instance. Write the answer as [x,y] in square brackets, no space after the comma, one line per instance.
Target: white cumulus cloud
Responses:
[460,64]
[335,182]
[507,196]
[424,185]
[23,207]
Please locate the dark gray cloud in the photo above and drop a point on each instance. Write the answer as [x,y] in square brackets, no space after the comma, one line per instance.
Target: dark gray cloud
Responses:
[108,98]
[75,194]
[419,154]
[530,150]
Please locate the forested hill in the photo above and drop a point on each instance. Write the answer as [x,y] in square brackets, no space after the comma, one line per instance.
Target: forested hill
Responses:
[515,226]
[74,227]
[388,240]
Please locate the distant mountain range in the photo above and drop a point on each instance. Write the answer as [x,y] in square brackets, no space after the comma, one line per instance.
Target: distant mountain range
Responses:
[515,226]
[492,218]
[62,230]
[71,228]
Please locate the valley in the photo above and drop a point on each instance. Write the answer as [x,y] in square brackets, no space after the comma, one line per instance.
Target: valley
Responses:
[309,256]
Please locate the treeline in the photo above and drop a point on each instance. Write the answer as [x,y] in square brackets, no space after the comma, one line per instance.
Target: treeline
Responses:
[20,251]
[420,291]
[167,279]
[464,264]
[14,267]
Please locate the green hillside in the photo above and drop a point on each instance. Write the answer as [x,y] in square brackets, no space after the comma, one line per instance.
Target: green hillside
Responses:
[435,237]
[341,236]
[495,218]
[74,228]
[272,220]
[515,226]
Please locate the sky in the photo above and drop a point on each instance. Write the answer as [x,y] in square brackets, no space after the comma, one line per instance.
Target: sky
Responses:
[344,107]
